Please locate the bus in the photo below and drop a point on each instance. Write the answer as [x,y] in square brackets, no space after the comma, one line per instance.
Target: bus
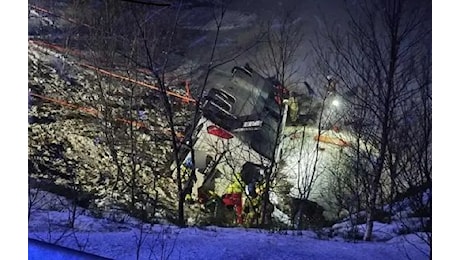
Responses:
[240,128]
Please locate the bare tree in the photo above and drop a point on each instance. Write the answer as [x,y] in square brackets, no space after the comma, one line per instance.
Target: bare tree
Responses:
[413,159]
[276,59]
[35,193]
[374,58]
[158,59]
[124,39]
[122,126]
[158,56]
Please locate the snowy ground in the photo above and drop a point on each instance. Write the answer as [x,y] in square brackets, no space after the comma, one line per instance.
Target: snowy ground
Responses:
[119,239]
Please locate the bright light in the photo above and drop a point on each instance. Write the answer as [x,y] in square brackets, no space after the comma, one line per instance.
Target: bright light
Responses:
[335,103]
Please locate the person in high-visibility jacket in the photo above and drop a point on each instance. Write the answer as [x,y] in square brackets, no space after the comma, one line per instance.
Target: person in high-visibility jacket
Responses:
[189,179]
[260,190]
[233,196]
[252,208]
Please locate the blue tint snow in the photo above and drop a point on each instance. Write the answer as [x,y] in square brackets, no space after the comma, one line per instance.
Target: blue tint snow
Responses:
[118,240]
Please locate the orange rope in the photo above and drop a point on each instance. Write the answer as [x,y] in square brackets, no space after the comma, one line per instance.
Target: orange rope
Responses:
[55,47]
[331,140]
[135,123]
[186,99]
[87,110]
[96,113]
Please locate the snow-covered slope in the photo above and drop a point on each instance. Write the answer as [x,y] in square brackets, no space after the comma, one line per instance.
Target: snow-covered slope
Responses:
[120,240]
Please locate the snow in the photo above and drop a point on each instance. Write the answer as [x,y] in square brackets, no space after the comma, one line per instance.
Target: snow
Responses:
[119,239]
[225,243]
[300,160]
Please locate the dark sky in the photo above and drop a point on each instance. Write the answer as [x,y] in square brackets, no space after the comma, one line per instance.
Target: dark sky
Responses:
[313,15]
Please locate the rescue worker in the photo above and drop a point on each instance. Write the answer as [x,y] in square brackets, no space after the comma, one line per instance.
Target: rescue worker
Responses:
[204,195]
[270,207]
[209,200]
[252,208]
[233,197]
[251,174]
[188,178]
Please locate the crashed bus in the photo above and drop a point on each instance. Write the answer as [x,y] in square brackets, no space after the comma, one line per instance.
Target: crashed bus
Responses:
[237,138]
